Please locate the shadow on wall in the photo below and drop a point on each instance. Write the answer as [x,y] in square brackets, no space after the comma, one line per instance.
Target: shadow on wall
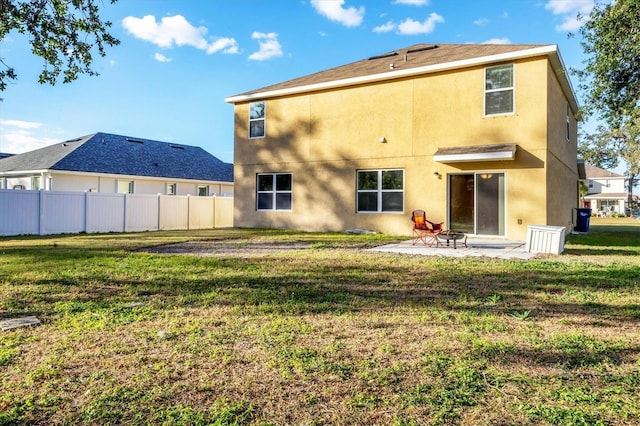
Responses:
[324,169]
[323,174]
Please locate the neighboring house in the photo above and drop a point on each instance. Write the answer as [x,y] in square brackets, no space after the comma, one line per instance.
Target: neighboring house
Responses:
[104,162]
[482,137]
[606,193]
[4,155]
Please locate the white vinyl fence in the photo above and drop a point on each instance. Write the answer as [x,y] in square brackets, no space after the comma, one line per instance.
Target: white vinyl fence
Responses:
[58,212]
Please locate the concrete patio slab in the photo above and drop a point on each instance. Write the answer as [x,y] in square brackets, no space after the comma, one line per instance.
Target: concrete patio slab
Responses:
[476,247]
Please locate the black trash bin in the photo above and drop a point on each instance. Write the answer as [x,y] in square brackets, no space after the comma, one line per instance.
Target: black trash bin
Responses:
[582,220]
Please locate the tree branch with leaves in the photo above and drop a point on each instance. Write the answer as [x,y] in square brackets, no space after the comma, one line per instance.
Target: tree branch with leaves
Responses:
[66,34]
[611,76]
[610,81]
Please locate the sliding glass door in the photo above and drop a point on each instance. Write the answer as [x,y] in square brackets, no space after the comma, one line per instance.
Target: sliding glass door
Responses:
[477,203]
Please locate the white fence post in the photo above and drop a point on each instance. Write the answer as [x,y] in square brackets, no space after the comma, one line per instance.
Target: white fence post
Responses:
[42,207]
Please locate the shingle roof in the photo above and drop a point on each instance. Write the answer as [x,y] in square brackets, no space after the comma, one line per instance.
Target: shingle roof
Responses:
[123,155]
[597,172]
[405,59]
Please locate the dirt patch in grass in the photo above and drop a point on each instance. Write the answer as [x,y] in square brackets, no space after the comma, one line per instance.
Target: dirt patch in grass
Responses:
[235,248]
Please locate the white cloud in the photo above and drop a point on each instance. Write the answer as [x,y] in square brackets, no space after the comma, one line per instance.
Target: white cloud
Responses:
[410,26]
[560,7]
[161,58]
[385,28]
[412,2]
[332,9]
[17,136]
[503,40]
[176,31]
[269,46]
[227,45]
[481,22]
[569,10]
[21,124]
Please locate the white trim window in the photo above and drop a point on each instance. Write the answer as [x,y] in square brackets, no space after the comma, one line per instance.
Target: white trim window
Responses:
[274,191]
[172,188]
[257,112]
[380,191]
[36,183]
[203,190]
[125,187]
[499,93]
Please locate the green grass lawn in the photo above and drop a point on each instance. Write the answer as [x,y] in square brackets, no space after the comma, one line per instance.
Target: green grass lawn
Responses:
[326,333]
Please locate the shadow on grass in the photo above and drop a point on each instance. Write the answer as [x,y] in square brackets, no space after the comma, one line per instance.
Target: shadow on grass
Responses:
[368,281]
[601,252]
[365,282]
[605,240]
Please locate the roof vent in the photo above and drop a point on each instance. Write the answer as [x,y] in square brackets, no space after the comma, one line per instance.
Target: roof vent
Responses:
[133,140]
[386,55]
[422,49]
[66,143]
[176,146]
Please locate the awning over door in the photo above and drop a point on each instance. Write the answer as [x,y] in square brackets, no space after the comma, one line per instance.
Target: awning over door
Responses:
[582,173]
[460,154]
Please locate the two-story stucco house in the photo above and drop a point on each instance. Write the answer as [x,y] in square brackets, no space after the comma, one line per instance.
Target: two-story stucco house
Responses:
[482,137]
[606,193]
[103,162]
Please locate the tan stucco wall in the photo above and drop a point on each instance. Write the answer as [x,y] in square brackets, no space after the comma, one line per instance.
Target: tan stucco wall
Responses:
[562,169]
[323,138]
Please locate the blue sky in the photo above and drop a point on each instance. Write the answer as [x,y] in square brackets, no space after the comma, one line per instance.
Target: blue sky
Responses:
[178,60]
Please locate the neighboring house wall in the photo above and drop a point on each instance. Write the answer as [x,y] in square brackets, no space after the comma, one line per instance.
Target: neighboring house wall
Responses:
[606,185]
[606,193]
[324,138]
[81,182]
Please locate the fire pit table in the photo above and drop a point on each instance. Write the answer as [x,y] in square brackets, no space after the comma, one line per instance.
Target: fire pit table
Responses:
[454,236]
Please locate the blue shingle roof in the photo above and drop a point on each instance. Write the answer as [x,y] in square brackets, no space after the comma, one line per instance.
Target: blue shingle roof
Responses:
[123,155]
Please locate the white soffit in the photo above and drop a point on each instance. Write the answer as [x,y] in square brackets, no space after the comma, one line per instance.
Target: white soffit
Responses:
[503,152]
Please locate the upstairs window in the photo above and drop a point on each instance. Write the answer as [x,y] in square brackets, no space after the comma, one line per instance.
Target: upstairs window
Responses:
[274,191]
[256,119]
[499,90]
[380,191]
